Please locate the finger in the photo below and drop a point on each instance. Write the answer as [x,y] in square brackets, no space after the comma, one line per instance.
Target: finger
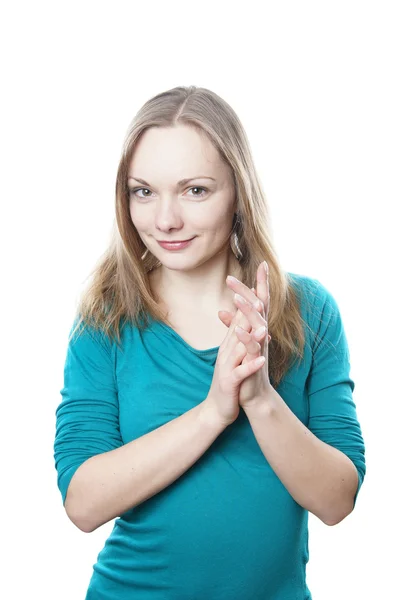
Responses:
[234,350]
[269,337]
[241,372]
[263,287]
[260,334]
[260,307]
[226,317]
[236,356]
[243,321]
[251,313]
[252,346]
[242,289]
[262,352]
[230,339]
[233,354]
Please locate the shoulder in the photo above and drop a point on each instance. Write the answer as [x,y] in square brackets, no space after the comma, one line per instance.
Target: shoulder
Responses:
[318,306]
[311,290]
[85,337]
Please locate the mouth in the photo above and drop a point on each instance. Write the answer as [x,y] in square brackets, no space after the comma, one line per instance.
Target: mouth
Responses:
[174,241]
[175,245]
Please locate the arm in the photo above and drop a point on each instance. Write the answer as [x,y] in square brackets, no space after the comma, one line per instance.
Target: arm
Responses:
[319,477]
[322,465]
[100,477]
[107,485]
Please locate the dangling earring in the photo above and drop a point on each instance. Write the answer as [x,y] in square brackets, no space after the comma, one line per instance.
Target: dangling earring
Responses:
[234,238]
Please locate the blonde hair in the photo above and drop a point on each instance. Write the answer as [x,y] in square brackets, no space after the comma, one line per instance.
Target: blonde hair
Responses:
[120,292]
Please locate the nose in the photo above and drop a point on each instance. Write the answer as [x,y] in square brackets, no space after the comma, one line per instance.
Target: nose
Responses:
[168,216]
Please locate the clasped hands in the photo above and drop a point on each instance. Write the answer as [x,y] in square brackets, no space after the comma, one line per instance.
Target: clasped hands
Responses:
[252,332]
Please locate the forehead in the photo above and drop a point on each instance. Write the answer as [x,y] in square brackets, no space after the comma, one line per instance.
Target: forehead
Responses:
[175,152]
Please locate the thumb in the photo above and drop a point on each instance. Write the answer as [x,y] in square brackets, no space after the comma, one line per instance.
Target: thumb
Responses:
[225,317]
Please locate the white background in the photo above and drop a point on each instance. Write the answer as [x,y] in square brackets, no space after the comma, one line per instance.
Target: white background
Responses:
[315,86]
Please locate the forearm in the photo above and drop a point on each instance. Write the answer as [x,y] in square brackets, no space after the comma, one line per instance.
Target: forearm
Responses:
[109,484]
[319,477]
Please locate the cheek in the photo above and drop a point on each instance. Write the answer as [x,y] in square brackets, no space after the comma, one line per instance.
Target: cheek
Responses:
[220,222]
[138,217]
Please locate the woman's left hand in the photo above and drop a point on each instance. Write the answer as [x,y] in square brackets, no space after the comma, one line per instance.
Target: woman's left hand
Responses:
[254,310]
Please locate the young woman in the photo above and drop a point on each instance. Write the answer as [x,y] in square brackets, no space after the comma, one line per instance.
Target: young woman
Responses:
[206,439]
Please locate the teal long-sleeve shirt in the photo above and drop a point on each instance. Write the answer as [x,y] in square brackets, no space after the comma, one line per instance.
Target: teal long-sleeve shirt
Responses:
[227,528]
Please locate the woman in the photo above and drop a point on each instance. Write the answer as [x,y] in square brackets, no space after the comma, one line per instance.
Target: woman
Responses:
[208,459]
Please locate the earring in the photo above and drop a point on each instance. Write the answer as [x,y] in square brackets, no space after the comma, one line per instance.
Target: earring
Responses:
[235,240]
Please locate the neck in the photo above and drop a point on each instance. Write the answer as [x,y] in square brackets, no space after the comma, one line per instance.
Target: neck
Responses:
[203,288]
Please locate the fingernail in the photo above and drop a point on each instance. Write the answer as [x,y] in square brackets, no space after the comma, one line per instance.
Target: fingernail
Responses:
[231,278]
[260,331]
[240,299]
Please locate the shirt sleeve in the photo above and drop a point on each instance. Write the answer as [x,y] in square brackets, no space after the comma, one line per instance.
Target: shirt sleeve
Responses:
[87,419]
[332,410]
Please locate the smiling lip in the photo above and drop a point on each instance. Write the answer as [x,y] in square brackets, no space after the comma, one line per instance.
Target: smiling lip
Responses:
[175,245]
[174,241]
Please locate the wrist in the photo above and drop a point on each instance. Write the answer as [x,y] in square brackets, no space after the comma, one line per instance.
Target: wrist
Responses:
[210,417]
[264,403]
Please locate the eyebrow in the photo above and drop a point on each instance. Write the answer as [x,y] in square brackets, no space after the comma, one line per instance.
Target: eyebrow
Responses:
[180,183]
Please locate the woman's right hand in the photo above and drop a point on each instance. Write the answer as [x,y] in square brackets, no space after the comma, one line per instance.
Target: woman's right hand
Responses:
[223,397]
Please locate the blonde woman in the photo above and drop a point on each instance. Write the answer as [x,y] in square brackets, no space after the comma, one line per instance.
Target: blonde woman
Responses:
[205,414]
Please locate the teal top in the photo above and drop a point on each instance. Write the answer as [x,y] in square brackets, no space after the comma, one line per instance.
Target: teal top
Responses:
[227,528]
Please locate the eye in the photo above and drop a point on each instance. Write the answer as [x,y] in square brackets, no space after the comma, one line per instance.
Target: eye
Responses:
[198,188]
[136,190]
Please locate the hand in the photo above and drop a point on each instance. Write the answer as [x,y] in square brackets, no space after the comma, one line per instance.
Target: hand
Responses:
[251,315]
[222,401]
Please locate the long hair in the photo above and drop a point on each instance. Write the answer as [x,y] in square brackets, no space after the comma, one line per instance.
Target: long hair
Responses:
[119,291]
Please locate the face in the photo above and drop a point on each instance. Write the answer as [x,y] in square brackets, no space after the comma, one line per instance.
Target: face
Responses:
[163,209]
